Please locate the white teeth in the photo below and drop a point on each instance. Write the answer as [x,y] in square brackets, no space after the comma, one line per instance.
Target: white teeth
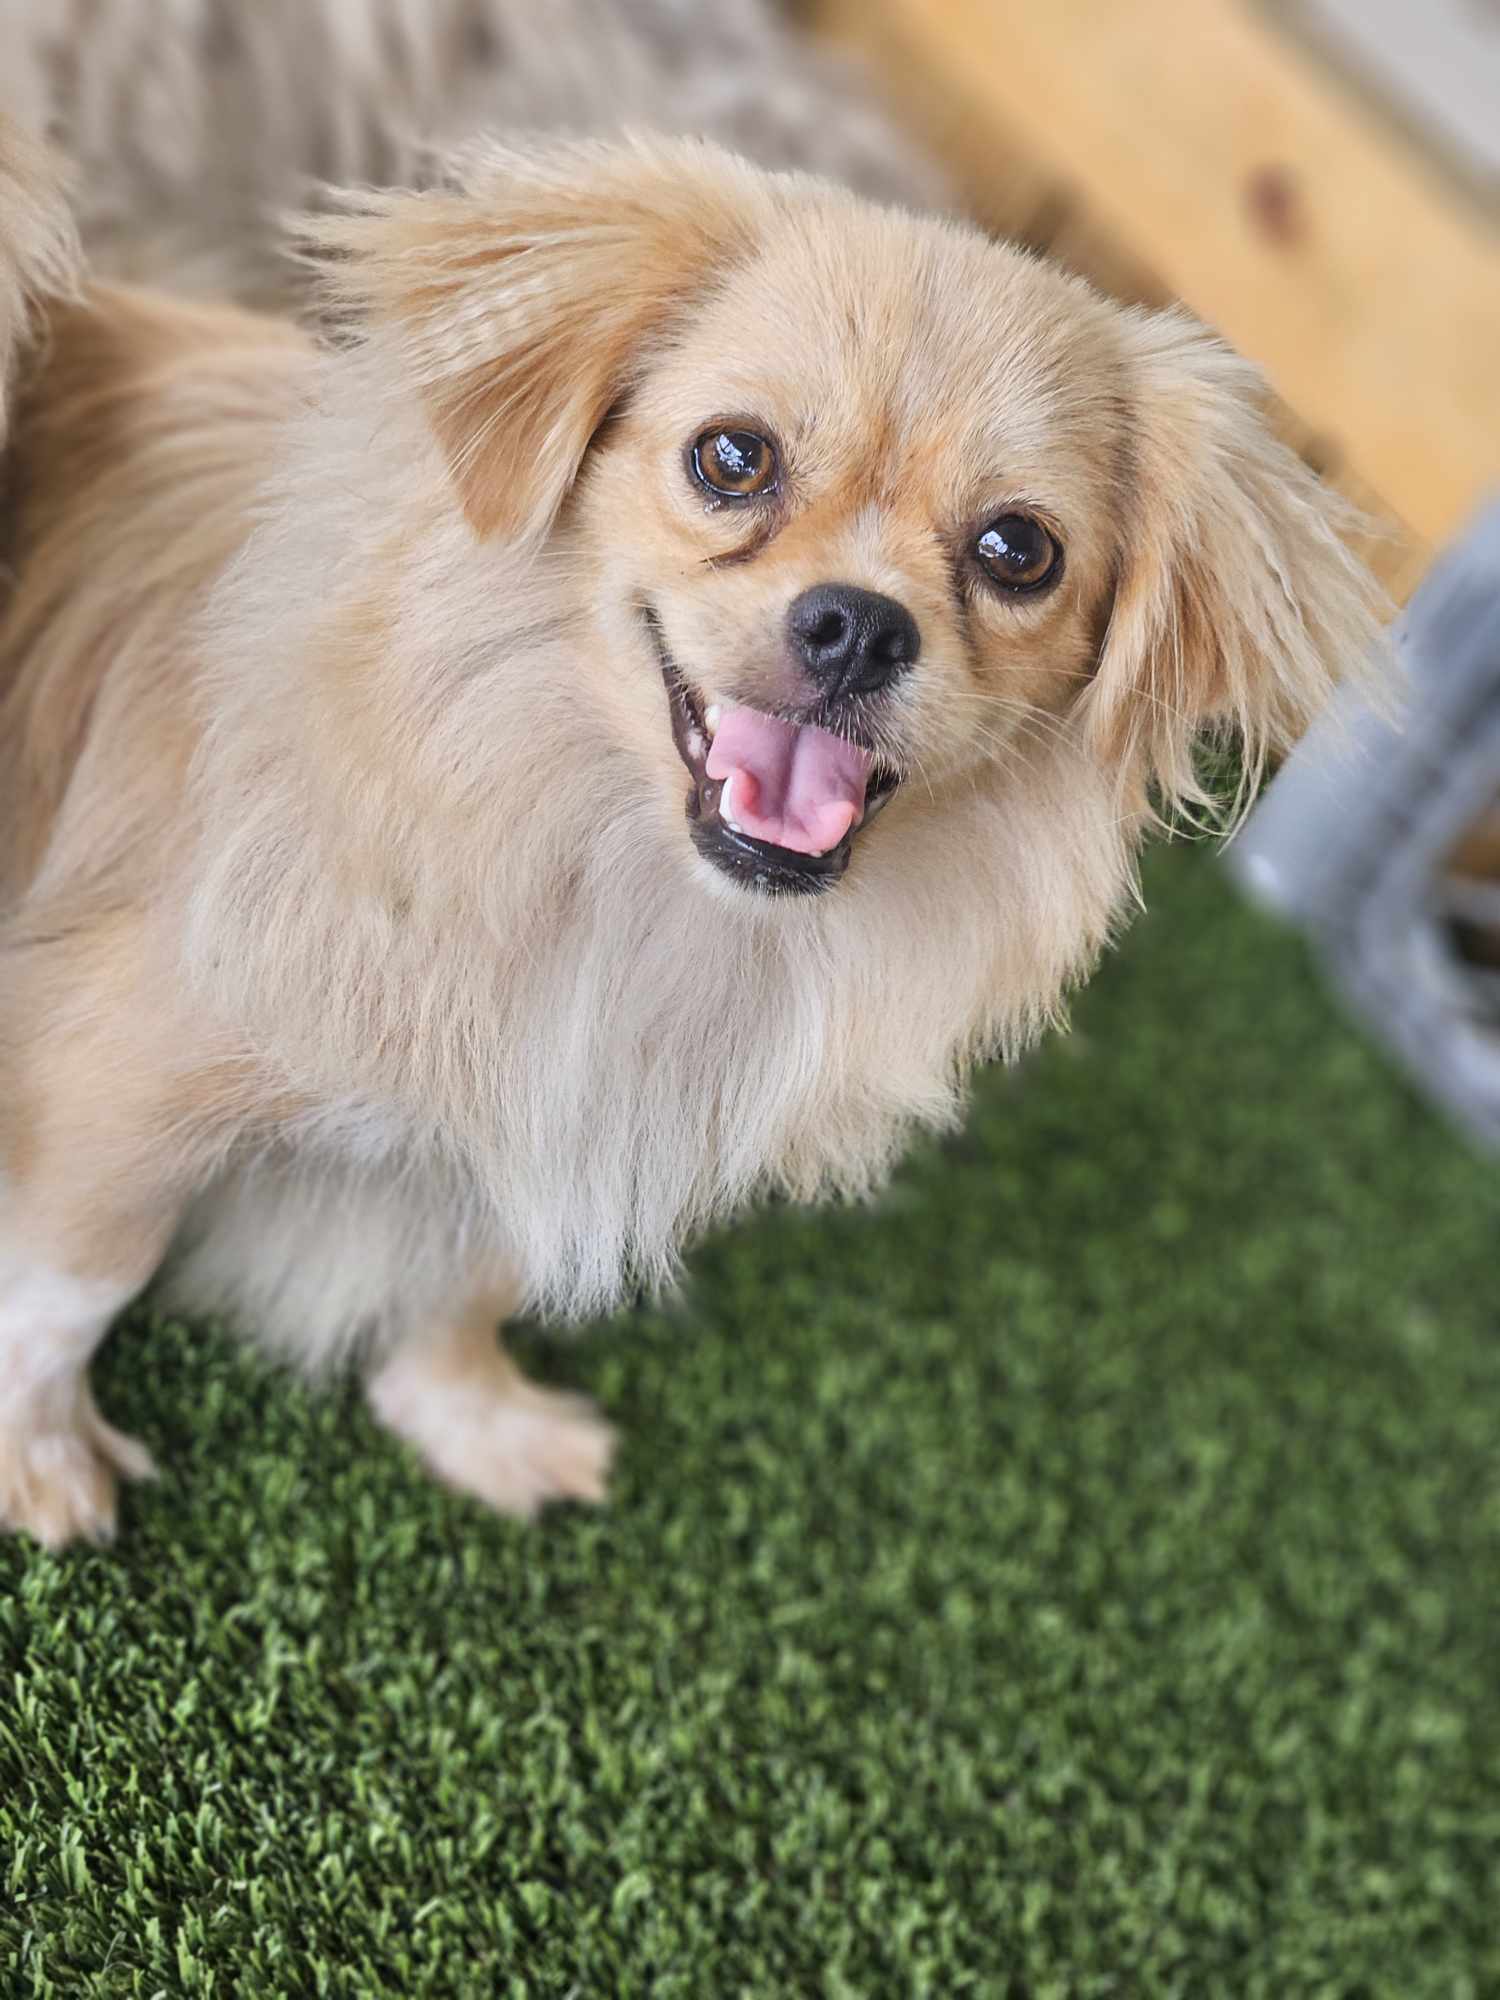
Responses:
[712,719]
[726,810]
[696,746]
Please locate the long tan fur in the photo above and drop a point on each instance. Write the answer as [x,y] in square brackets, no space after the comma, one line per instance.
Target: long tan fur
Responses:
[353,939]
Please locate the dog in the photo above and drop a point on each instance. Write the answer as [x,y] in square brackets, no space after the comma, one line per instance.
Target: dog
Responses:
[620,725]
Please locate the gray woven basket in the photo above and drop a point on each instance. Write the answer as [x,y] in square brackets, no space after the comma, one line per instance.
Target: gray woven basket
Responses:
[1352,840]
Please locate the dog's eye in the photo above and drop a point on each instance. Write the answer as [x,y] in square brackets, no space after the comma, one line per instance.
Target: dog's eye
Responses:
[734,464]
[1018,553]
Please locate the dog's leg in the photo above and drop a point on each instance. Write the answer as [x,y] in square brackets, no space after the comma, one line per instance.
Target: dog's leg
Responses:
[59,1459]
[94,1153]
[456,1396]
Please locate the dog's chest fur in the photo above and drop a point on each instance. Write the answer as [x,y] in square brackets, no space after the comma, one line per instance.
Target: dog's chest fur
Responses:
[642,1061]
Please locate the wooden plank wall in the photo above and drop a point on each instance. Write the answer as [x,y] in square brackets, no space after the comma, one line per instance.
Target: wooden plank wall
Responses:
[1190,149]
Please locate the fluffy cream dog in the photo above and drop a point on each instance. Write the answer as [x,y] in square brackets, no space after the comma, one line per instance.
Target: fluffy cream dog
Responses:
[625,728]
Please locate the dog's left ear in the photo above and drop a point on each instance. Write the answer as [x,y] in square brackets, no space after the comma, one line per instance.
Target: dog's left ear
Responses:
[1238,604]
[519,300]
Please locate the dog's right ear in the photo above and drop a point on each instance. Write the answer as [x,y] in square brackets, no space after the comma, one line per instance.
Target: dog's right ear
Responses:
[1239,604]
[520,298]
[39,254]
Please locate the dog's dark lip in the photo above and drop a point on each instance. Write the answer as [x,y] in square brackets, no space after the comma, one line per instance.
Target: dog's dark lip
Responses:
[759,864]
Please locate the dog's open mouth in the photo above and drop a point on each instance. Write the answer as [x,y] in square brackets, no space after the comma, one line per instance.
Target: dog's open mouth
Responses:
[775,804]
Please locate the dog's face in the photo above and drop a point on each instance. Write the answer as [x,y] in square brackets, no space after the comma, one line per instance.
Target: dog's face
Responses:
[866,507]
[867,547]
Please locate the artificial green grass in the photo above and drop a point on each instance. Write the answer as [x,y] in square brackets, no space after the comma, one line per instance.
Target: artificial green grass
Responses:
[1078,1575]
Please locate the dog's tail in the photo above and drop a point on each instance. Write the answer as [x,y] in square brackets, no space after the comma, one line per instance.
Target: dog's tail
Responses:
[39,253]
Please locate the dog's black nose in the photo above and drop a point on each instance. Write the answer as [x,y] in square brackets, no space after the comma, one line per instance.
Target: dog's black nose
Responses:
[852,641]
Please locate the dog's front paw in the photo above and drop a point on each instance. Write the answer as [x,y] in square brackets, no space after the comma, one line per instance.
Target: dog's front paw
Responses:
[58,1481]
[525,1448]
[496,1435]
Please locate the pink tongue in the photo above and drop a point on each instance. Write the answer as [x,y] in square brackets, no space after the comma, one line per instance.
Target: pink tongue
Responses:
[787,783]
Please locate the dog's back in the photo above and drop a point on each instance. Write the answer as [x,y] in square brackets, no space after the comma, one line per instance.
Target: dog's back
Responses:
[132,433]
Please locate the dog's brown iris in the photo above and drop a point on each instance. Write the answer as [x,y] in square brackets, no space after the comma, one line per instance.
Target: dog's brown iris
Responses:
[1018,553]
[736,464]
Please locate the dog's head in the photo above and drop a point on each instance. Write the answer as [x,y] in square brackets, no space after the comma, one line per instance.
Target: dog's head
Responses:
[865,506]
